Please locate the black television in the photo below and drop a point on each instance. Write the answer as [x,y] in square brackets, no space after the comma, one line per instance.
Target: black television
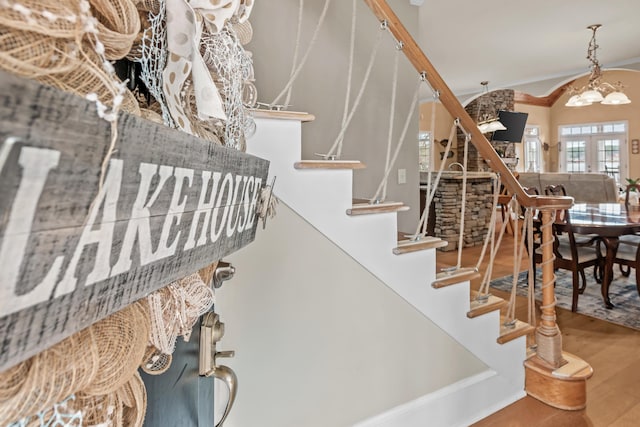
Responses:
[514,122]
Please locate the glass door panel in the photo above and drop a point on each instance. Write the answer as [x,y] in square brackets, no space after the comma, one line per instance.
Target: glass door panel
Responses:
[576,156]
[609,157]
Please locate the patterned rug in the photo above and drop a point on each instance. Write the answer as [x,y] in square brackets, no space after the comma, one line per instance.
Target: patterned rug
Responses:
[623,294]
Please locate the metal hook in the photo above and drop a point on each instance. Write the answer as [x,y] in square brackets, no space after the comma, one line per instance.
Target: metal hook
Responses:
[328,156]
[268,202]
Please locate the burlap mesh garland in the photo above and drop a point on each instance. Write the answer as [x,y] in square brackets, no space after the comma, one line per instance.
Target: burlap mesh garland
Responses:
[125,406]
[49,44]
[151,115]
[12,380]
[87,77]
[118,21]
[50,376]
[61,415]
[52,18]
[102,410]
[244,31]
[152,6]
[33,55]
[119,362]
[134,398]
[95,363]
[119,25]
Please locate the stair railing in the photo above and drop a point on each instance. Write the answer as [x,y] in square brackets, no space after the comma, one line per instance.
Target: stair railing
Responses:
[548,337]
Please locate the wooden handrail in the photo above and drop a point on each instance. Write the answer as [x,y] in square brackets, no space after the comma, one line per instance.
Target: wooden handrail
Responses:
[416,56]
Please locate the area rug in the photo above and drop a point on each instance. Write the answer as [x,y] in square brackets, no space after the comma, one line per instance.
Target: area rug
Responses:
[623,294]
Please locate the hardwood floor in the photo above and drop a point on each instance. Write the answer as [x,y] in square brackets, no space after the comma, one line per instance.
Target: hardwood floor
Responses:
[613,393]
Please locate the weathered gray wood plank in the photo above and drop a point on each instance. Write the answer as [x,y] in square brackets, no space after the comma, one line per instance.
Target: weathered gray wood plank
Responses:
[170,204]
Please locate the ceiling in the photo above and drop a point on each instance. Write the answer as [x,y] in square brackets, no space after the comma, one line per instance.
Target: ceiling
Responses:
[528,45]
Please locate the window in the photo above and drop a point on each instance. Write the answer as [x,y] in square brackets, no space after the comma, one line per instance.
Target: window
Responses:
[532,154]
[424,150]
[594,147]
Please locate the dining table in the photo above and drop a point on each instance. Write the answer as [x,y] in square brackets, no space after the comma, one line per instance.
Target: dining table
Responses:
[608,221]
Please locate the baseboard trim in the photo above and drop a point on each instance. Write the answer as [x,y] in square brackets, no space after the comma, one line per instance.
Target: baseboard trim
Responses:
[459,404]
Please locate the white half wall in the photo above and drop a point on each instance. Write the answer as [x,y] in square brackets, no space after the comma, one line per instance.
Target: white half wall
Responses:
[319,340]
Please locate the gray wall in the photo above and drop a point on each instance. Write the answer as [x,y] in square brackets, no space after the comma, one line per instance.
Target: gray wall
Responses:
[321,88]
[319,340]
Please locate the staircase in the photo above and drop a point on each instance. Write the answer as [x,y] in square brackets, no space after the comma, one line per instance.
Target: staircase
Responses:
[320,192]
[323,197]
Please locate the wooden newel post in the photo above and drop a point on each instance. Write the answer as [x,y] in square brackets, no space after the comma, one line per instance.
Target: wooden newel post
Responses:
[548,336]
[556,378]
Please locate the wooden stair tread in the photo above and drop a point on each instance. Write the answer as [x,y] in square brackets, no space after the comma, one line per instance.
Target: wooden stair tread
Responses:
[479,308]
[283,115]
[448,278]
[509,334]
[368,208]
[329,164]
[429,242]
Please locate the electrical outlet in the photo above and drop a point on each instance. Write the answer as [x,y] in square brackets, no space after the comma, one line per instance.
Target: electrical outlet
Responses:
[402,176]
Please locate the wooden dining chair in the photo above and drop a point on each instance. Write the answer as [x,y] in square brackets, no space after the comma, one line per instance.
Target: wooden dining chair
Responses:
[555,190]
[629,247]
[629,255]
[574,254]
[560,190]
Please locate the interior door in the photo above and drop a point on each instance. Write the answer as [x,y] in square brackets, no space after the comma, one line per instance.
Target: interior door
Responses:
[181,397]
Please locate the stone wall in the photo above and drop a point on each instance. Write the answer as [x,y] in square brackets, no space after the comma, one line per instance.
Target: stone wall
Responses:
[489,104]
[448,207]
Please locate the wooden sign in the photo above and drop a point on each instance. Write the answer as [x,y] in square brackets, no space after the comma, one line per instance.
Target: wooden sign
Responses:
[78,243]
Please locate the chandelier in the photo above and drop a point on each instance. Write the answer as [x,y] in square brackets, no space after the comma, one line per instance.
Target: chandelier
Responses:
[487,123]
[597,90]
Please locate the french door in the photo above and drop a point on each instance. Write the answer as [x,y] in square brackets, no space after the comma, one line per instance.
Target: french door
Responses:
[594,148]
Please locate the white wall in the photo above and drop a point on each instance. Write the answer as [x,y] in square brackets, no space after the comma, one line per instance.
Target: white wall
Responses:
[319,340]
[321,88]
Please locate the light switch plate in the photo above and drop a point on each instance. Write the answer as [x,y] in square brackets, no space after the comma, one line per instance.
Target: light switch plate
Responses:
[402,176]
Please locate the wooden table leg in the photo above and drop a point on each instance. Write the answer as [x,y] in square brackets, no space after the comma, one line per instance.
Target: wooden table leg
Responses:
[611,243]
